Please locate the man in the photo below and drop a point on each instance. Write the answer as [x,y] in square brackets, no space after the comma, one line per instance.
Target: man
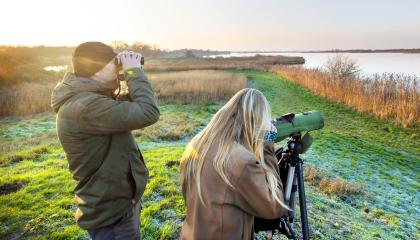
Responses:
[94,130]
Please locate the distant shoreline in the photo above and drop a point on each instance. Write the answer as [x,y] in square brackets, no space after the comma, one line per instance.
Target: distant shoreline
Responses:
[411,50]
[401,50]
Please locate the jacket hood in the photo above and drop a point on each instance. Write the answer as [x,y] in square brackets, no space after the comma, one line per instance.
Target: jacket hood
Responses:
[72,85]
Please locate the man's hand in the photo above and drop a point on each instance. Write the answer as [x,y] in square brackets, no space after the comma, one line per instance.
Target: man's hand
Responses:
[130,59]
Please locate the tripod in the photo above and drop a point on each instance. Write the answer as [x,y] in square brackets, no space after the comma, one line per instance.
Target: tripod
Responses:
[291,172]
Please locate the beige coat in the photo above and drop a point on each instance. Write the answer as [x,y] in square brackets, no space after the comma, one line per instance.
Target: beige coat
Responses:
[229,213]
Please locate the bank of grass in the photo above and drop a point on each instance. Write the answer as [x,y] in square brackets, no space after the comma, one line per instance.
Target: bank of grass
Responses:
[21,133]
[379,155]
[354,148]
[43,207]
[40,205]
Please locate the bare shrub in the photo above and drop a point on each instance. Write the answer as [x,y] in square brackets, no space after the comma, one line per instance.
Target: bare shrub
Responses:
[342,67]
[330,185]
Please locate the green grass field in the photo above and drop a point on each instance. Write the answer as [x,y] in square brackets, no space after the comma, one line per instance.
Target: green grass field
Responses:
[376,154]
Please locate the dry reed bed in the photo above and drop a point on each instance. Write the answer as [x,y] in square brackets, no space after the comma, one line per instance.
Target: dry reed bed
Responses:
[196,86]
[25,98]
[387,95]
[259,63]
[29,98]
[170,87]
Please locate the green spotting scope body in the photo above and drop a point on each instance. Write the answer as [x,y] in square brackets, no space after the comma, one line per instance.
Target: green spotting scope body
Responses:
[291,123]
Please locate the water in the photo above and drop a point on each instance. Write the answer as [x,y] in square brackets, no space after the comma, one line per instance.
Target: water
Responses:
[56,68]
[370,63]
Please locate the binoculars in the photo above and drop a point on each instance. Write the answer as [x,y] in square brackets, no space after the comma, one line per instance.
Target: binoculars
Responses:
[119,63]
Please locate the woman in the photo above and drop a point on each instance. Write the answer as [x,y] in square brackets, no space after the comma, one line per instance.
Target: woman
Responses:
[229,171]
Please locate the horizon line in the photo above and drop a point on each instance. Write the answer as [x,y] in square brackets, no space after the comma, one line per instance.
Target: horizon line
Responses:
[235,51]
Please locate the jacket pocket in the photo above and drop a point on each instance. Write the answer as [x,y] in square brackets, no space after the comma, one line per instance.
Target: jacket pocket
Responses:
[141,156]
[140,174]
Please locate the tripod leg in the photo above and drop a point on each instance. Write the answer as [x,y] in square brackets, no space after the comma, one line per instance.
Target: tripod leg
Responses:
[292,233]
[302,202]
[289,183]
[286,229]
[292,203]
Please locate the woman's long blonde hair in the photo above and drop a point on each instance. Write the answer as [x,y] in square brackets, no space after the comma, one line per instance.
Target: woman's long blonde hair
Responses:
[244,120]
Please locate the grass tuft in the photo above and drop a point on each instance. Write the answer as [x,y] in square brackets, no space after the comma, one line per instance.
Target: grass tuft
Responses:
[330,185]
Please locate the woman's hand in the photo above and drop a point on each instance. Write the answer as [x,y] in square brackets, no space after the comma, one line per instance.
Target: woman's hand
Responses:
[271,134]
[272,127]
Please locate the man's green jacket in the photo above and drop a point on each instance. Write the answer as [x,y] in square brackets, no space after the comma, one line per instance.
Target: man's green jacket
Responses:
[95,133]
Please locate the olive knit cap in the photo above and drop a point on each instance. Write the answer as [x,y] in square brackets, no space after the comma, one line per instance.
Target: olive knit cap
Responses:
[90,57]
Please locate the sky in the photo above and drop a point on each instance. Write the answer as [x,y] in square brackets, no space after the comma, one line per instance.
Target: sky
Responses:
[236,25]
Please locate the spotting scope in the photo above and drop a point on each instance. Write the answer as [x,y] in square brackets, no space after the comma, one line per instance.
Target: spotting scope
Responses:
[291,123]
[290,166]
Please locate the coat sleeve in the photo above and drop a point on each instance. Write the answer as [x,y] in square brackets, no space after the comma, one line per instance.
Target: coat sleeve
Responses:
[271,159]
[105,115]
[253,194]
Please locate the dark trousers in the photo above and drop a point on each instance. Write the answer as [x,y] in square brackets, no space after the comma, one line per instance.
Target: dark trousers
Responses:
[127,228]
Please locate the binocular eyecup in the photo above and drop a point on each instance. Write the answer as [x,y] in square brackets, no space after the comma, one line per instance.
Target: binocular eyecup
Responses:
[118,62]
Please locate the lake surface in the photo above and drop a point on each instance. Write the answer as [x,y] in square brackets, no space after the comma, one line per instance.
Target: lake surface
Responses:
[56,68]
[369,62]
